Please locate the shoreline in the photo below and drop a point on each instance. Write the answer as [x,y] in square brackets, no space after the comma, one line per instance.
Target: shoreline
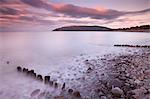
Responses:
[125,76]
[122,75]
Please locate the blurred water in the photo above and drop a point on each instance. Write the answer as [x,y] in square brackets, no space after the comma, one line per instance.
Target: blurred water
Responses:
[54,48]
[49,44]
[50,51]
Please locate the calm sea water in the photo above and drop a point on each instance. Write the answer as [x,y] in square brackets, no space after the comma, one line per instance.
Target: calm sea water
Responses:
[48,51]
[47,47]
[64,43]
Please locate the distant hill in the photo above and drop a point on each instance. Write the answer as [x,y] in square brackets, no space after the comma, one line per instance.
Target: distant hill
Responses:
[83,28]
[143,28]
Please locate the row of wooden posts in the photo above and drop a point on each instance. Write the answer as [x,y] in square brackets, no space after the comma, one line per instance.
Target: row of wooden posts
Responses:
[141,46]
[46,80]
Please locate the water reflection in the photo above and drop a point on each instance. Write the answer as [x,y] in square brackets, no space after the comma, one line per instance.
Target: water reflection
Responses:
[53,43]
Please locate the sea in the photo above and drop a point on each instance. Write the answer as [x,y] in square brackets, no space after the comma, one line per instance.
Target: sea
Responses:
[54,54]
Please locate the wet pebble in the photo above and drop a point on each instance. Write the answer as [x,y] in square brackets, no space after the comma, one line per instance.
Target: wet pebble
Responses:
[77,94]
[70,90]
[117,92]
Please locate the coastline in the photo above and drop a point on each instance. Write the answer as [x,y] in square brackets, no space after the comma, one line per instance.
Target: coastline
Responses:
[126,72]
[112,76]
[115,76]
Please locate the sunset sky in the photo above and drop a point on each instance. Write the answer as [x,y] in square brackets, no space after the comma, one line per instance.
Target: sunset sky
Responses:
[45,15]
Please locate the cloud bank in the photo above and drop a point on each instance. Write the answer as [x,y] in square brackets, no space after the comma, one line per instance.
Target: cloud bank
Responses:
[42,12]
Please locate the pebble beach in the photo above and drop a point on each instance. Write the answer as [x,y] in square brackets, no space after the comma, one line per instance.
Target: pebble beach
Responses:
[122,75]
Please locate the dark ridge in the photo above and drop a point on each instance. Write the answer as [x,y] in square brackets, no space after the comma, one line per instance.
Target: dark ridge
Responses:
[83,28]
[142,28]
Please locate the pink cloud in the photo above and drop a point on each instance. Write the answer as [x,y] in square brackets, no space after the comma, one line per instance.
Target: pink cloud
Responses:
[43,13]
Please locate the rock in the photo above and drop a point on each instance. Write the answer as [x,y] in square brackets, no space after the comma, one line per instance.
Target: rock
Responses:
[113,75]
[97,90]
[137,81]
[89,70]
[149,90]
[70,90]
[116,83]
[103,97]
[117,92]
[147,74]
[133,86]
[109,96]
[102,74]
[123,78]
[86,60]
[35,92]
[77,94]
[132,66]
[127,75]
[7,62]
[139,93]
[59,97]
[105,90]
[103,81]
[126,88]
[131,81]
[101,93]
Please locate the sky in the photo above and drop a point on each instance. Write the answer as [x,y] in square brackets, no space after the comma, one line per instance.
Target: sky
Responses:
[45,15]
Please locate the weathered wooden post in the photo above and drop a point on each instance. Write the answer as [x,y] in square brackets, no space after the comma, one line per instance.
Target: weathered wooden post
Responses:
[51,83]
[25,70]
[39,77]
[63,87]
[46,79]
[7,62]
[19,68]
[56,85]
